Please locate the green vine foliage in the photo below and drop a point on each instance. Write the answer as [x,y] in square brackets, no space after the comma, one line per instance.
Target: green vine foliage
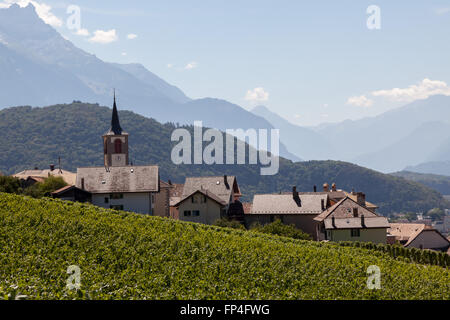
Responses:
[130,256]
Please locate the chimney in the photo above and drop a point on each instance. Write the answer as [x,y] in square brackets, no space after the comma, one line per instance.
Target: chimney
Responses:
[333,187]
[82,183]
[52,167]
[315,188]
[361,199]
[323,204]
[296,197]
[333,222]
[225,181]
[363,224]
[170,182]
[326,187]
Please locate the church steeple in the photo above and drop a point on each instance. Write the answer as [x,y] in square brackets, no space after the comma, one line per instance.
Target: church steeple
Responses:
[115,124]
[115,142]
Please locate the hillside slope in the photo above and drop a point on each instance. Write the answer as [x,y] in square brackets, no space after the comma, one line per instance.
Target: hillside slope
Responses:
[38,136]
[130,256]
[434,181]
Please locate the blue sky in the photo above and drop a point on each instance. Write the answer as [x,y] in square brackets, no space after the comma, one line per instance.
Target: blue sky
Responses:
[309,61]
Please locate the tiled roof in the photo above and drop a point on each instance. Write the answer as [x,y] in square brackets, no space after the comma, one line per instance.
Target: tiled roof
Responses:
[215,185]
[344,209]
[66,188]
[285,204]
[119,179]
[247,207]
[356,223]
[409,231]
[69,177]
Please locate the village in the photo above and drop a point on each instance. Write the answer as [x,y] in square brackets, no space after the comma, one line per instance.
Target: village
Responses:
[326,213]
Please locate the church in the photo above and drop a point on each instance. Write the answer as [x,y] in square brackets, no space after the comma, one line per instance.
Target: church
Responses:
[118,184]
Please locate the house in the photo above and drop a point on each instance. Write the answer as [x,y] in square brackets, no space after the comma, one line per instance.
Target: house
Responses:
[208,199]
[295,208]
[119,185]
[418,235]
[348,220]
[162,200]
[175,194]
[72,193]
[29,177]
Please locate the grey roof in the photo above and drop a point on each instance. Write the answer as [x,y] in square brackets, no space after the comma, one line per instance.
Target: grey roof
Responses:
[285,204]
[119,179]
[215,185]
[355,223]
[206,193]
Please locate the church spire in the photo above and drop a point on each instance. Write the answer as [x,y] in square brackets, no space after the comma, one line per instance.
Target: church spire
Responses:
[115,125]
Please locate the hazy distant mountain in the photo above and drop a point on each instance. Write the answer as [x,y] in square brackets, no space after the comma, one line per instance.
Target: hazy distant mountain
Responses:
[303,142]
[140,72]
[412,149]
[374,134]
[435,167]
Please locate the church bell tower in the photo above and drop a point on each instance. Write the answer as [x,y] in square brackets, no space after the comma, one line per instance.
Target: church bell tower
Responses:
[115,142]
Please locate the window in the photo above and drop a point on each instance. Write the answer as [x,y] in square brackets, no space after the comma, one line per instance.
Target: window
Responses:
[187,213]
[116,196]
[355,233]
[116,207]
[106,200]
[195,213]
[117,146]
[194,199]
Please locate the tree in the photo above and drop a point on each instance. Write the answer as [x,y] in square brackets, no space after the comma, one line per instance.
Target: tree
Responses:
[10,185]
[436,214]
[44,189]
[411,216]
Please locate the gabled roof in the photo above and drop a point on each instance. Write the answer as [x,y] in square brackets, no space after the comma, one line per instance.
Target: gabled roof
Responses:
[311,203]
[340,216]
[215,185]
[206,193]
[119,179]
[410,231]
[341,210]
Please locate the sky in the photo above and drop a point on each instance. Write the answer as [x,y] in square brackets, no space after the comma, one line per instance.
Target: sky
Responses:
[311,62]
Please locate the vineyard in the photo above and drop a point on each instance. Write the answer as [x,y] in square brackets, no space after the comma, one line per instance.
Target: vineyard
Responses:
[130,256]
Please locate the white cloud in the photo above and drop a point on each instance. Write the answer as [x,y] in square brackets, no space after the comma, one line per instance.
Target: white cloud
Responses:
[442,11]
[191,65]
[169,65]
[43,10]
[104,37]
[423,90]
[257,95]
[297,116]
[124,54]
[132,36]
[361,101]
[83,32]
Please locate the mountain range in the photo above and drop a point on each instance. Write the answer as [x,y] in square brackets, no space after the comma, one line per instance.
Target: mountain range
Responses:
[39,68]
[36,59]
